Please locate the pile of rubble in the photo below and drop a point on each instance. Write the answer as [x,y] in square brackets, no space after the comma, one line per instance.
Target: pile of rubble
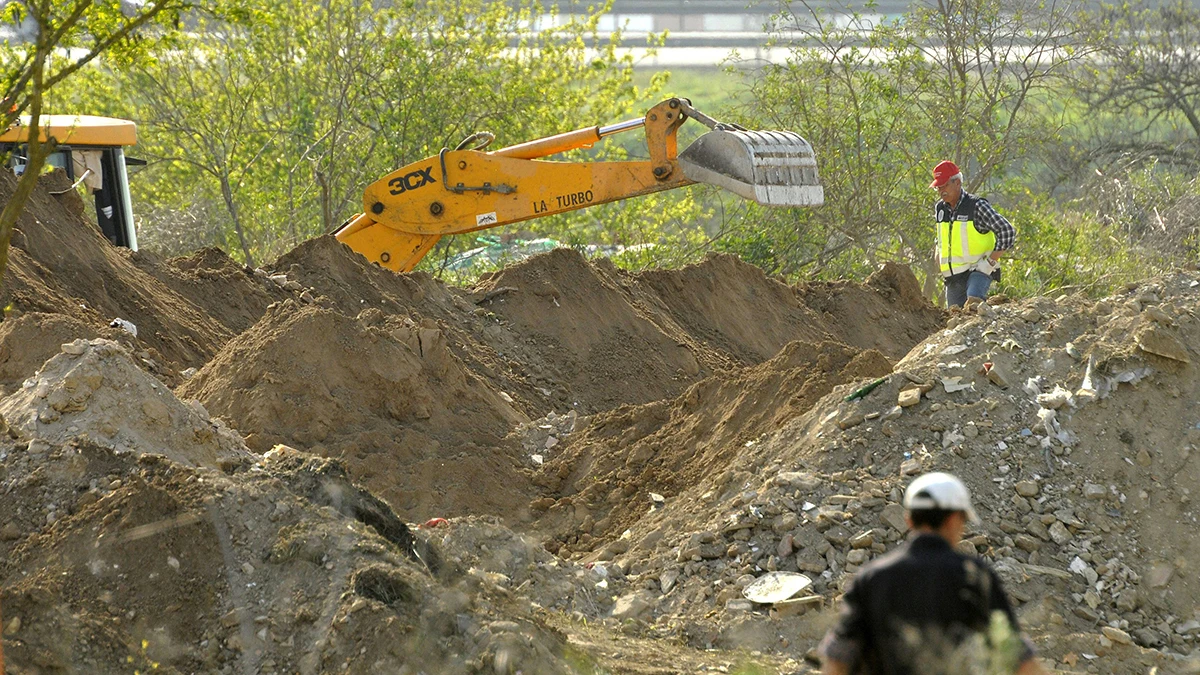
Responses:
[138,533]
[1072,421]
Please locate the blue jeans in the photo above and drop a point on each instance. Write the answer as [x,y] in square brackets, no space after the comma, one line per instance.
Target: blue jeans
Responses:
[970,283]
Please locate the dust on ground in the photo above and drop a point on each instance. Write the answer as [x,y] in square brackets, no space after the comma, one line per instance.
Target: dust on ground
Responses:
[321,466]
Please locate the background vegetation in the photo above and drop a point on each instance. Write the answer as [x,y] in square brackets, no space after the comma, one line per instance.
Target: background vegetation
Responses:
[263,121]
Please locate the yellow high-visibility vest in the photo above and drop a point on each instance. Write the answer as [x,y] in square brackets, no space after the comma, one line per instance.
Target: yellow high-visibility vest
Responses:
[960,245]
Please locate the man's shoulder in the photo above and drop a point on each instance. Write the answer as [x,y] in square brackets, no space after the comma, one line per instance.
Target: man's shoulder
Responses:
[885,564]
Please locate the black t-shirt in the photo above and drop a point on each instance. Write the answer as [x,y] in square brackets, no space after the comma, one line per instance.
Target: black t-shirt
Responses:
[925,608]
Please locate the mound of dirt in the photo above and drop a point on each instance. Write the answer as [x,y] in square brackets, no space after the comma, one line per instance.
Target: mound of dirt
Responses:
[607,471]
[579,332]
[610,338]
[1070,420]
[61,264]
[387,397]
[94,390]
[732,307]
[160,567]
[27,341]
[228,292]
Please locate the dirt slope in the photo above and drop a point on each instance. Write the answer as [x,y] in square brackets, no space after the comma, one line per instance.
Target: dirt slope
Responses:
[389,398]
[620,455]
[60,263]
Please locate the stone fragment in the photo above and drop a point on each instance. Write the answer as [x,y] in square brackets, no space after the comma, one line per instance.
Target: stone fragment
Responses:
[1086,613]
[1037,529]
[837,535]
[1093,491]
[893,414]
[1116,635]
[952,438]
[75,348]
[1059,533]
[9,532]
[666,580]
[631,606]
[1055,399]
[1027,488]
[1148,296]
[785,522]
[1154,339]
[739,605]
[851,420]
[1157,315]
[998,376]
[909,398]
[1143,458]
[1128,600]
[1032,315]
[858,556]
[893,516]
[1191,627]
[862,540]
[785,546]
[1148,638]
[1027,543]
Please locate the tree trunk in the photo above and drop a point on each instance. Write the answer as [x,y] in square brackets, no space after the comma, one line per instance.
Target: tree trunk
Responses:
[231,206]
[36,155]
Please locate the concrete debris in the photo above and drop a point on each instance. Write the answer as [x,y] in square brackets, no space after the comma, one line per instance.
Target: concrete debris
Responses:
[1154,339]
[909,398]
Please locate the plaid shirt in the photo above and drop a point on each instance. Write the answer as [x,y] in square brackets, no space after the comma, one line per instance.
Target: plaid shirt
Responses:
[987,220]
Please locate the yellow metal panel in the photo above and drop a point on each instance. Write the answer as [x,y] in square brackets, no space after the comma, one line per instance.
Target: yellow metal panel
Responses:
[395,250]
[418,199]
[76,130]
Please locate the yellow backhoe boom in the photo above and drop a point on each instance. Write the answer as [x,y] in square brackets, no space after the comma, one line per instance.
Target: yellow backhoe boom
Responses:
[406,212]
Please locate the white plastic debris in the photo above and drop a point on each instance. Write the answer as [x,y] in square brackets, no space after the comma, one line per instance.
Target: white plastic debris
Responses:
[1033,386]
[775,587]
[954,384]
[1087,389]
[128,326]
[1055,399]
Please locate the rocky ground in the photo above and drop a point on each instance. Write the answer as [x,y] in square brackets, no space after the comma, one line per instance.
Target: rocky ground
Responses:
[324,467]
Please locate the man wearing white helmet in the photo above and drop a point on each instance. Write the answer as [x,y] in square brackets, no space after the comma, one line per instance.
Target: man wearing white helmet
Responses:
[926,608]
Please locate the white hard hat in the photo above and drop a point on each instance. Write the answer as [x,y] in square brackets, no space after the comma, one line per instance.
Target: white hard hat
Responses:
[939,491]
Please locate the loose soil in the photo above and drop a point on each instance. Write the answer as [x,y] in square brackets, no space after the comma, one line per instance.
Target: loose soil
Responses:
[321,466]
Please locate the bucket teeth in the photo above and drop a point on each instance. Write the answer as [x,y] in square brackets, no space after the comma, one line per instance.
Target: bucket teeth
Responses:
[775,168]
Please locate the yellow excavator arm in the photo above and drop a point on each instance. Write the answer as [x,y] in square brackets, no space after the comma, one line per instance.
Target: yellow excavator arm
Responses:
[406,212]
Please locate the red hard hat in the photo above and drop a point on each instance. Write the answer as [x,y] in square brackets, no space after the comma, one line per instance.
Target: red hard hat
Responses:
[943,172]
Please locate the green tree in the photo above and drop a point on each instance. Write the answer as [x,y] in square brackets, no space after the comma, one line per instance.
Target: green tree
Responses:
[276,125]
[881,103]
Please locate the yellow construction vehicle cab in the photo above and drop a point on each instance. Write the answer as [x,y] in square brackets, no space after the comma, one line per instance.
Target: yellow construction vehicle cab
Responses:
[466,189]
[92,151]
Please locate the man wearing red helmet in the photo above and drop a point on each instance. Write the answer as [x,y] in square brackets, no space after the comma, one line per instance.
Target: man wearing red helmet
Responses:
[971,237]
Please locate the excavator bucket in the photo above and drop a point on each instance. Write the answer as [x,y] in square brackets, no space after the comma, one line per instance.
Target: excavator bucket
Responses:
[774,168]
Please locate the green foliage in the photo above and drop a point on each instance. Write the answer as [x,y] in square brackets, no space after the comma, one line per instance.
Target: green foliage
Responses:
[298,107]
[1070,250]
[264,127]
[976,82]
